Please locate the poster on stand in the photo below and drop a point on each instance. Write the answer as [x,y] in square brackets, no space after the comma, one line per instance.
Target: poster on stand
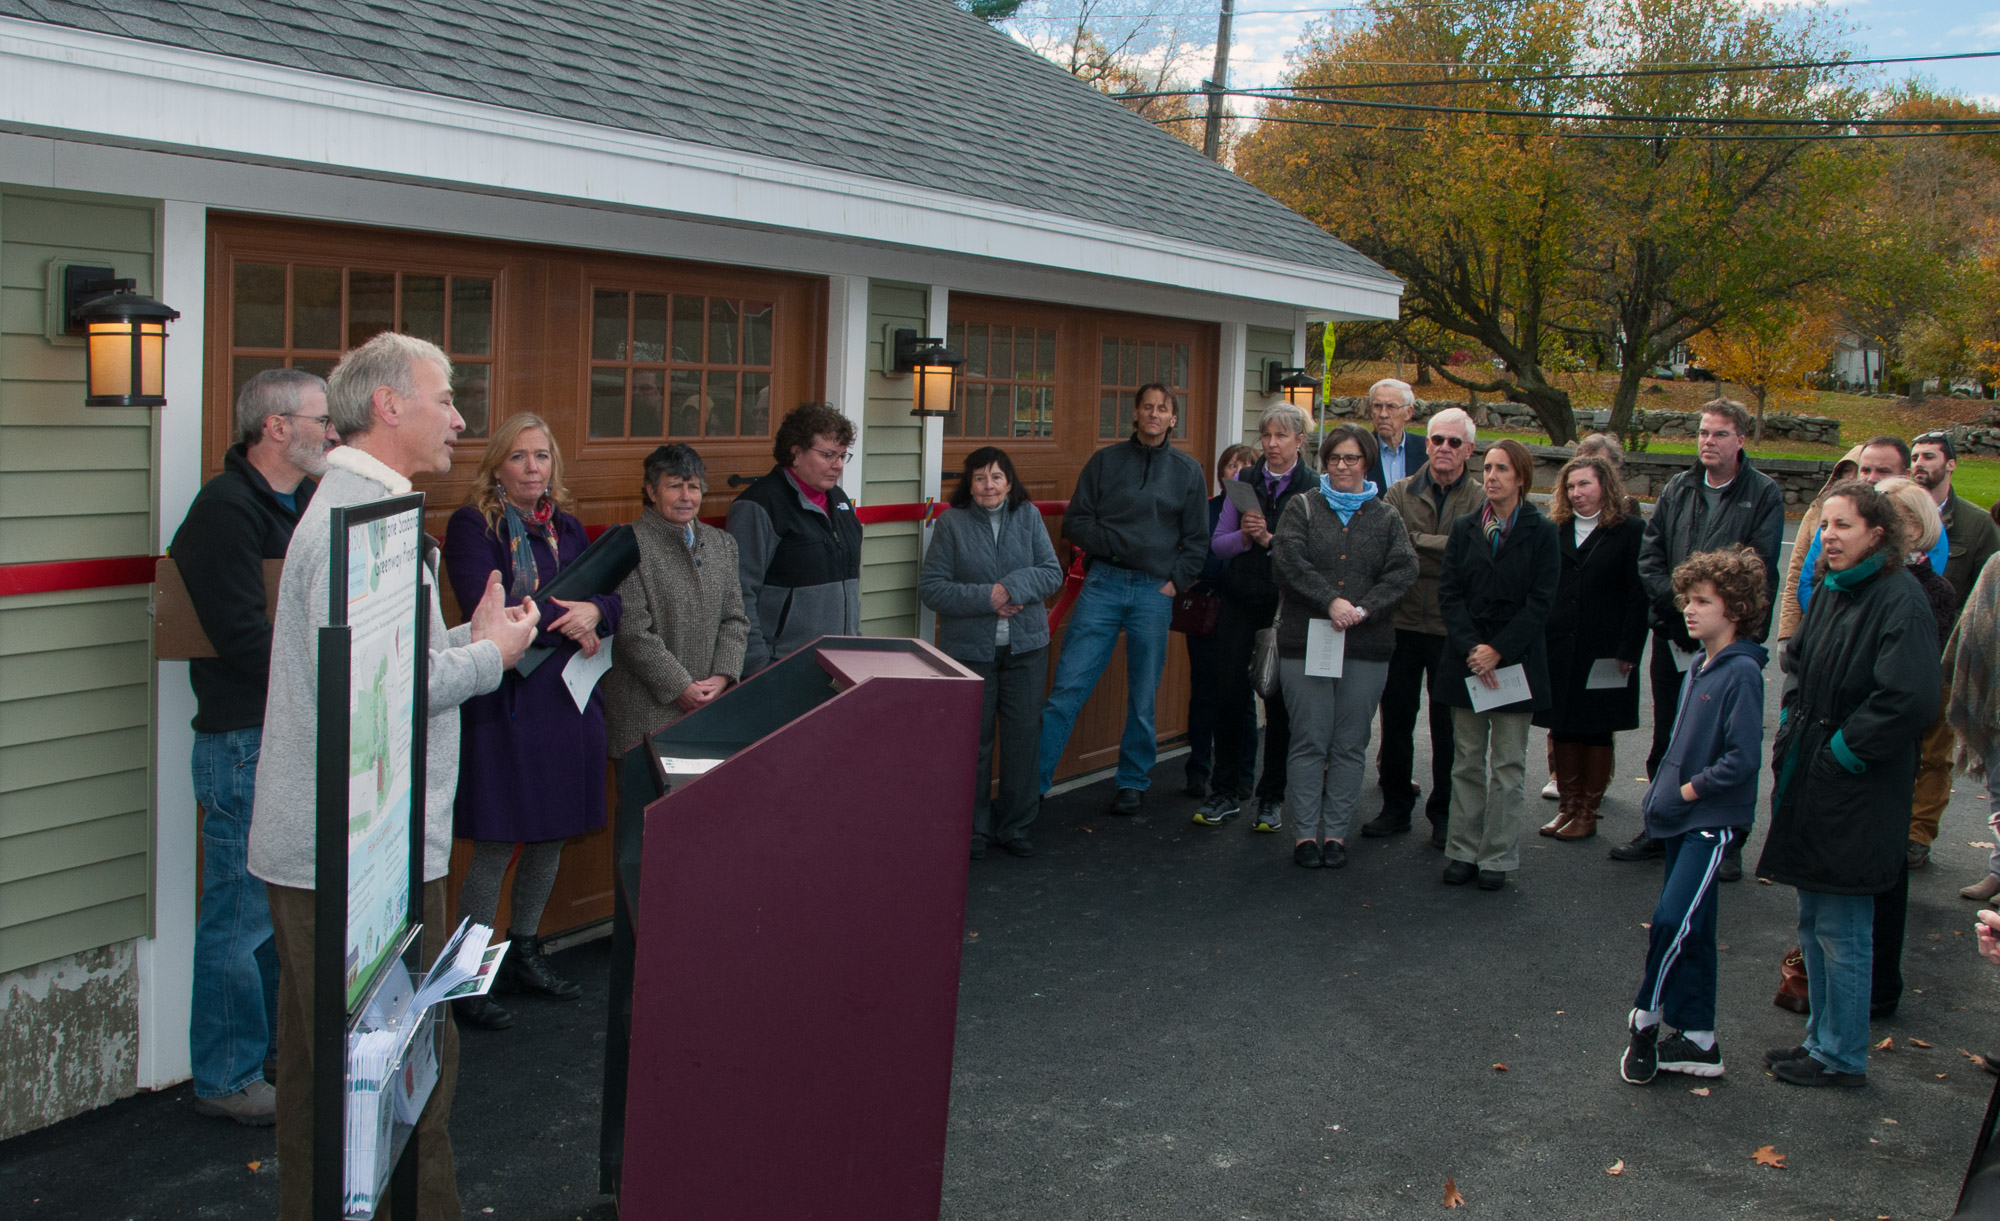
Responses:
[383,556]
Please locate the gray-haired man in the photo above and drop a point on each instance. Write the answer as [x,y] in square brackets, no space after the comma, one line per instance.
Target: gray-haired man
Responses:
[239,519]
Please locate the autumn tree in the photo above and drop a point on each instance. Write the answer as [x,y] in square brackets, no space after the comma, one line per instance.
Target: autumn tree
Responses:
[1773,354]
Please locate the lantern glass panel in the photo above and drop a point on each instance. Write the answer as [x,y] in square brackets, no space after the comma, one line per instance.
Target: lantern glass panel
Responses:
[110,359]
[933,387]
[153,359]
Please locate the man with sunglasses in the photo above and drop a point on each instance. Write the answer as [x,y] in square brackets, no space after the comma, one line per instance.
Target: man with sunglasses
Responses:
[239,519]
[1429,501]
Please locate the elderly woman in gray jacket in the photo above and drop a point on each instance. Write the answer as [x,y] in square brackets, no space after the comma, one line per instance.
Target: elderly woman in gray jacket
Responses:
[989,566]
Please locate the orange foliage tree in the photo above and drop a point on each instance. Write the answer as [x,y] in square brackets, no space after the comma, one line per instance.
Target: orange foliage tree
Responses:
[1774,357]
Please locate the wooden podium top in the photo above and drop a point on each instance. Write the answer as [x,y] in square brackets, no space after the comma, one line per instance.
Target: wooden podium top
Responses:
[852,667]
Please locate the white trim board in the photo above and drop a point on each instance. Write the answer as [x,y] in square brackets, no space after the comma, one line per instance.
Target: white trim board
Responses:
[95,88]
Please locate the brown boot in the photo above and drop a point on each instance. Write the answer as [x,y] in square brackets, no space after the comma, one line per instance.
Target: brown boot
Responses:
[1595,764]
[1566,762]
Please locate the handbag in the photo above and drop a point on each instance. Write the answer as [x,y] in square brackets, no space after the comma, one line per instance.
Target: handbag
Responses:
[1264,658]
[1792,983]
[1195,613]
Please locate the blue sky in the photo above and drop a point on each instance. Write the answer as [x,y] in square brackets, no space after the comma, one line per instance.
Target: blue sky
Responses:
[1266,29]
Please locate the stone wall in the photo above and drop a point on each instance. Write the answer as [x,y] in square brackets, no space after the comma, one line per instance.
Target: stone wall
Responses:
[1518,417]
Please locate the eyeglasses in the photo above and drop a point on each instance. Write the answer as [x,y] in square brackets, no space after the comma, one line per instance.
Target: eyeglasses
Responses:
[1454,442]
[834,455]
[1344,459]
[321,420]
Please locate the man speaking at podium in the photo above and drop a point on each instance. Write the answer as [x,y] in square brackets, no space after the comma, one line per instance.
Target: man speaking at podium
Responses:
[390,401]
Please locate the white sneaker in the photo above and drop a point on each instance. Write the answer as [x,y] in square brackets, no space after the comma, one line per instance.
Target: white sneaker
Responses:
[1550,792]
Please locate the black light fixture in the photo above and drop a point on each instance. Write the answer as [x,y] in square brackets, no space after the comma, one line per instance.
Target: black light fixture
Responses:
[933,367]
[125,338]
[1296,385]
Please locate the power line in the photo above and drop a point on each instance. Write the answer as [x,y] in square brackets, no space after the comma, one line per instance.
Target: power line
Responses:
[1673,70]
[1588,117]
[1614,135]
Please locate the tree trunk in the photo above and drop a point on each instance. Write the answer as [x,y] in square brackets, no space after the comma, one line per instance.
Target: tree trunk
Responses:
[1625,400]
[1759,392]
[1552,407]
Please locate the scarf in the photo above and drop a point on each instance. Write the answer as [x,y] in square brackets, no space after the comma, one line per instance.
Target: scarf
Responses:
[1972,670]
[1497,530]
[1848,578]
[1346,504]
[543,520]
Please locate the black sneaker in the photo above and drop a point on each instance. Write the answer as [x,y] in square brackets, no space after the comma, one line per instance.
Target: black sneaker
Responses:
[1808,1071]
[1332,854]
[1270,814]
[1641,1061]
[1306,853]
[1778,1055]
[1731,869]
[1125,802]
[1386,824]
[1196,788]
[1679,1054]
[1641,847]
[1218,809]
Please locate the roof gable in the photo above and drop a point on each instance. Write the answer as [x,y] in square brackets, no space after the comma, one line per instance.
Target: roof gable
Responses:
[948,105]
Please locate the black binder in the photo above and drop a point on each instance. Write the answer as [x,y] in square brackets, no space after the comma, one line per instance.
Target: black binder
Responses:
[601,568]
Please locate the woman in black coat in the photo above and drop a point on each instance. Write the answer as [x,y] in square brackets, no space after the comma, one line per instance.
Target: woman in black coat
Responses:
[1496,586]
[1862,680]
[1599,615]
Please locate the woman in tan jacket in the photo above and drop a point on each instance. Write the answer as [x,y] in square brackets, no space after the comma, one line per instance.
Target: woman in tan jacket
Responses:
[1789,610]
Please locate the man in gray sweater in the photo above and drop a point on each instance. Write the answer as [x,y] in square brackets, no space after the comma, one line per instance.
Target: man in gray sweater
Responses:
[1140,515]
[390,401]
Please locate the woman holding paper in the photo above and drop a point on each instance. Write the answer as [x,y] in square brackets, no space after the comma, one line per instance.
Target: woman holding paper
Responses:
[1595,635]
[531,762]
[1501,568]
[1343,560]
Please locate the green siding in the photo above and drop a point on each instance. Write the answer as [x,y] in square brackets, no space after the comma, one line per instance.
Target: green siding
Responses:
[75,668]
[1261,346]
[892,471]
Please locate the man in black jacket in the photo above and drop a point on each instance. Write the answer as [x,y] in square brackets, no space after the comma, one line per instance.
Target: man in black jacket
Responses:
[1140,514]
[241,518]
[1722,501]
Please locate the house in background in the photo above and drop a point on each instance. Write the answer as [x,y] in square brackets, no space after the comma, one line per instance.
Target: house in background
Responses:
[668,219]
[1857,362]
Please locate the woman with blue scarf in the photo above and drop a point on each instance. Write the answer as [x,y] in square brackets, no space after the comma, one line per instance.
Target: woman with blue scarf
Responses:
[1344,558]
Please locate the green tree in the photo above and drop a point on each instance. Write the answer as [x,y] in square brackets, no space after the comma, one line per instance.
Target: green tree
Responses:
[991,11]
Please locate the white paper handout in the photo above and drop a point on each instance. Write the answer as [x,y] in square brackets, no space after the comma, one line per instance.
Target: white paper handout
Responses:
[582,673]
[1606,676]
[1683,658]
[1244,497]
[1513,689]
[1326,649]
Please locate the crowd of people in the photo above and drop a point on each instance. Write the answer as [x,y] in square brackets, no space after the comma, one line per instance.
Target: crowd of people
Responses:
[1329,579]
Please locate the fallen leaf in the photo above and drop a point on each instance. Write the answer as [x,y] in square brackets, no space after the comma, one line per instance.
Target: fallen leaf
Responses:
[1958,932]
[253,1166]
[1499,1068]
[1763,881]
[1559,1013]
[1887,1120]
[1451,1197]
[1645,924]
[971,933]
[1940,1076]
[1617,1167]
[1700,1092]
[1973,1056]
[1768,1155]
[1887,1044]
[1088,830]
[1920,1043]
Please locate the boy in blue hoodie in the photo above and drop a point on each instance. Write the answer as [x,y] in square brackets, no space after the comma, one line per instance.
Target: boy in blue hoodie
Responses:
[1702,800]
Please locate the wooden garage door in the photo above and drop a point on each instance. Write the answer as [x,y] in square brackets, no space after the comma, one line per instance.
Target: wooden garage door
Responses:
[1050,385]
[618,354]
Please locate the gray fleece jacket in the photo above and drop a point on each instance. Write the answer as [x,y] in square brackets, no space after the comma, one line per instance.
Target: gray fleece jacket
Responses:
[966,561]
[281,819]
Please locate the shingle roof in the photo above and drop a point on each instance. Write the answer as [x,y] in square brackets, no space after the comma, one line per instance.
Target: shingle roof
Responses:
[912,91]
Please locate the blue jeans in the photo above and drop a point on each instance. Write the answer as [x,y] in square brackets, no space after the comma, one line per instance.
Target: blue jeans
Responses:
[1113,600]
[235,965]
[1837,936]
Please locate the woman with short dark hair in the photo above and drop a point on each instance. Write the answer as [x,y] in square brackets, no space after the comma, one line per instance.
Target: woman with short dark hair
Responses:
[1863,685]
[798,542]
[989,566]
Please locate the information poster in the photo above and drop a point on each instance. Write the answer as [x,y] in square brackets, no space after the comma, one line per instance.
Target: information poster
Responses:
[382,564]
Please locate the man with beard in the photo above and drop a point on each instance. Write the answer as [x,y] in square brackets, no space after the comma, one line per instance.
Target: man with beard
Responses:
[241,518]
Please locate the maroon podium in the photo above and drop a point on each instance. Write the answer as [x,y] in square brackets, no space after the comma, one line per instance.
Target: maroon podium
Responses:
[795,920]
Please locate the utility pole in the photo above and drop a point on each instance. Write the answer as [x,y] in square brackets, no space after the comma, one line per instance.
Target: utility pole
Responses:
[1211,140]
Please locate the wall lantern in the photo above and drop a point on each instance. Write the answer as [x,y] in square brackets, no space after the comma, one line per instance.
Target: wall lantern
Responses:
[125,338]
[932,366]
[1295,384]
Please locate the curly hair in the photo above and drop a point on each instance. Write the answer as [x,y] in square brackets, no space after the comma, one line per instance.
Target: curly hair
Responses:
[806,422]
[1737,574]
[1875,510]
[1613,507]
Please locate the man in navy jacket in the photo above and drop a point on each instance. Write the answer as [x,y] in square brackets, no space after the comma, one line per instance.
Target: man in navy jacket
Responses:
[1399,452]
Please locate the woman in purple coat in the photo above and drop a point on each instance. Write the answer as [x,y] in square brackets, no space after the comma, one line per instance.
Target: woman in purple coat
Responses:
[531,767]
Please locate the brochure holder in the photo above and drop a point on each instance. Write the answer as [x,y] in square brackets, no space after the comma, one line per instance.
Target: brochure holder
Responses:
[786,942]
[369,865]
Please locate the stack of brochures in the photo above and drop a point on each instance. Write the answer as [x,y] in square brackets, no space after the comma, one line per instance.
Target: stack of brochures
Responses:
[392,1058]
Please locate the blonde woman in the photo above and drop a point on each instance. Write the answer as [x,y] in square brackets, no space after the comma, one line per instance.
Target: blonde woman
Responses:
[531,767]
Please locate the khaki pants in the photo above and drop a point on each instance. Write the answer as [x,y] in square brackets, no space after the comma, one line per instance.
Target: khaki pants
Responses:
[1933,791]
[1489,796]
[437,1177]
